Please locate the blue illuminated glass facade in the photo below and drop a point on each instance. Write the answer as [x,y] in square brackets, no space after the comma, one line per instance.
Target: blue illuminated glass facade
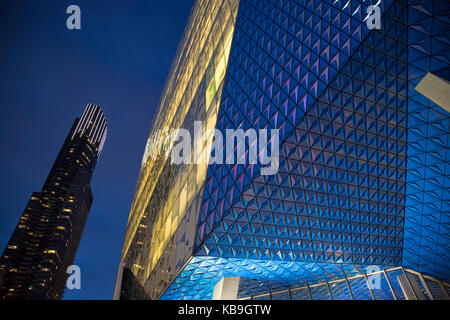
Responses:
[427,214]
[363,174]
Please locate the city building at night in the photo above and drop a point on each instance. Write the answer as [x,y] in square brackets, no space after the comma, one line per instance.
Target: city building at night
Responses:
[359,205]
[44,243]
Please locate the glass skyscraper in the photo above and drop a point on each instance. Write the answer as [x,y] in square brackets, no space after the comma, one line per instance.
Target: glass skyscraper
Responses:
[361,194]
[44,243]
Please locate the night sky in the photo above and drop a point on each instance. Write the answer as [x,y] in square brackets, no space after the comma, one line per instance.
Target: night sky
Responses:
[119,60]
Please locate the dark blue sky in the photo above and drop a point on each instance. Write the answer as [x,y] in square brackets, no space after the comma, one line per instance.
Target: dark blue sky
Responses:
[118,60]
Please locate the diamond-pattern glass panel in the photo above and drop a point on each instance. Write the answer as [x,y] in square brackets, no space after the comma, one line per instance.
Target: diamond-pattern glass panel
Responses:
[427,215]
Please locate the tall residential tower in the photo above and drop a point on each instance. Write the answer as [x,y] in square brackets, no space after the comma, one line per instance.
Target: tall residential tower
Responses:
[362,188]
[45,241]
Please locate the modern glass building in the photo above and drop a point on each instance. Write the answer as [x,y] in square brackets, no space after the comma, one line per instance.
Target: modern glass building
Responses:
[44,243]
[362,186]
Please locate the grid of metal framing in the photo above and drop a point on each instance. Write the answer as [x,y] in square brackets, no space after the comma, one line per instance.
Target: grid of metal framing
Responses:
[345,289]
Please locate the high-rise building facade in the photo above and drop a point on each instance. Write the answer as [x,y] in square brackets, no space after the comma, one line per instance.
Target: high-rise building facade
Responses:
[362,187]
[44,243]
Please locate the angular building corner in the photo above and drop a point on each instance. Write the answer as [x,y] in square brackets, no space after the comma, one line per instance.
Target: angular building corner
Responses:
[43,245]
[359,207]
